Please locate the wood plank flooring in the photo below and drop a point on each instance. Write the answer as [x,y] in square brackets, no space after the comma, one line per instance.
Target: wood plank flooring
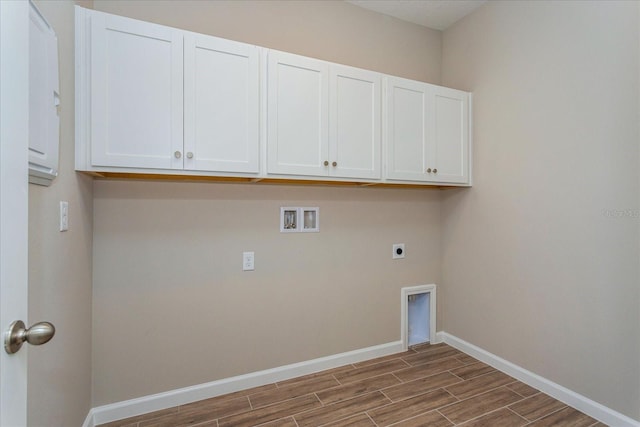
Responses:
[429,385]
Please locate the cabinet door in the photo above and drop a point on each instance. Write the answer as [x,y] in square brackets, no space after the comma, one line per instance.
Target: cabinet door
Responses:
[298,91]
[408,129]
[451,136]
[221,105]
[354,121]
[136,93]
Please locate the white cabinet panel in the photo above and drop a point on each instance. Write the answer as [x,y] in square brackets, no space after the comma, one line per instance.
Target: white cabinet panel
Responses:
[297,115]
[323,119]
[408,114]
[221,105]
[427,132]
[136,93]
[451,147]
[44,98]
[354,119]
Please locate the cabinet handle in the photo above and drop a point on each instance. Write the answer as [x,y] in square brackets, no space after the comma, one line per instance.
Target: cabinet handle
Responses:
[429,170]
[177,154]
[189,155]
[334,164]
[435,171]
[326,163]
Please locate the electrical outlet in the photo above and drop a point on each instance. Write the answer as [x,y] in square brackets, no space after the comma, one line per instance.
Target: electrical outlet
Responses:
[398,251]
[248,263]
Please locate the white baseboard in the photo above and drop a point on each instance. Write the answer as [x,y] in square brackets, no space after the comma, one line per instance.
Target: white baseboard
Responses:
[563,394]
[156,402]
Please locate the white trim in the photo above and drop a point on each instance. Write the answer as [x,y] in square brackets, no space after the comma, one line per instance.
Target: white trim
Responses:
[404,313]
[89,421]
[169,399]
[563,394]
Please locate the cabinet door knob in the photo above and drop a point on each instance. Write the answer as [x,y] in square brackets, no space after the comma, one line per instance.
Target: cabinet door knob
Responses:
[435,171]
[326,163]
[429,170]
[189,155]
[334,164]
[177,154]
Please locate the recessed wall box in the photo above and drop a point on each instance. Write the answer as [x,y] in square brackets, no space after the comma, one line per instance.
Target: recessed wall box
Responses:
[288,220]
[310,220]
[299,220]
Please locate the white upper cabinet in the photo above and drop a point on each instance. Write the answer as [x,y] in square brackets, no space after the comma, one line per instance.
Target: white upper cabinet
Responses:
[427,132]
[323,119]
[297,115]
[151,99]
[136,93]
[354,120]
[221,105]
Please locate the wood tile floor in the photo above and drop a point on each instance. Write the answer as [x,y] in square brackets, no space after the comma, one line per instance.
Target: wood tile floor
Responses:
[430,385]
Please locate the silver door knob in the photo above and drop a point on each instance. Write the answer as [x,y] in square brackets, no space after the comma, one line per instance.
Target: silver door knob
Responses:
[429,170]
[177,154]
[17,334]
[189,155]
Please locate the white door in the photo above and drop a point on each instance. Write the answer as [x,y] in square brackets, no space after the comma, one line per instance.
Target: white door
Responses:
[354,121]
[221,105]
[136,93]
[408,128]
[451,136]
[298,123]
[14,132]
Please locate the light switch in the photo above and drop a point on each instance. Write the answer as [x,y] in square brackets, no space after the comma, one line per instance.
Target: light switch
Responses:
[64,216]
[248,261]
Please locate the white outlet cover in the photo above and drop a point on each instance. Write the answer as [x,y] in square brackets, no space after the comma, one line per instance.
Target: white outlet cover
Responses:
[398,247]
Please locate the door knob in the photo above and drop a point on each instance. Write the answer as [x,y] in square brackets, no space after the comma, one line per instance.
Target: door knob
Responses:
[326,163]
[189,155]
[16,335]
[177,154]
[334,164]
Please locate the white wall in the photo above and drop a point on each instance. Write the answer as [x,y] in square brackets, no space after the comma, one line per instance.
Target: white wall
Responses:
[540,257]
[59,384]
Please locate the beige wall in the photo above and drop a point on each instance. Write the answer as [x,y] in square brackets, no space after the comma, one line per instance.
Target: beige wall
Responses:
[172,307]
[59,385]
[538,267]
[331,30]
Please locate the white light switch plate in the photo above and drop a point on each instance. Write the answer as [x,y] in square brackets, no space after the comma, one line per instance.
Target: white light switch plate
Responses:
[248,261]
[64,216]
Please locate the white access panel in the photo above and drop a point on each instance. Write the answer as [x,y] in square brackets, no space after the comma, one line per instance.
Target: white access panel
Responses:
[418,315]
[221,105]
[354,118]
[136,93]
[451,136]
[408,128]
[44,99]
[298,92]
[419,318]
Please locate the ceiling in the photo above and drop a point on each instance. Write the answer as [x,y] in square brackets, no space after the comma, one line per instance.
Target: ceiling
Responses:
[436,14]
